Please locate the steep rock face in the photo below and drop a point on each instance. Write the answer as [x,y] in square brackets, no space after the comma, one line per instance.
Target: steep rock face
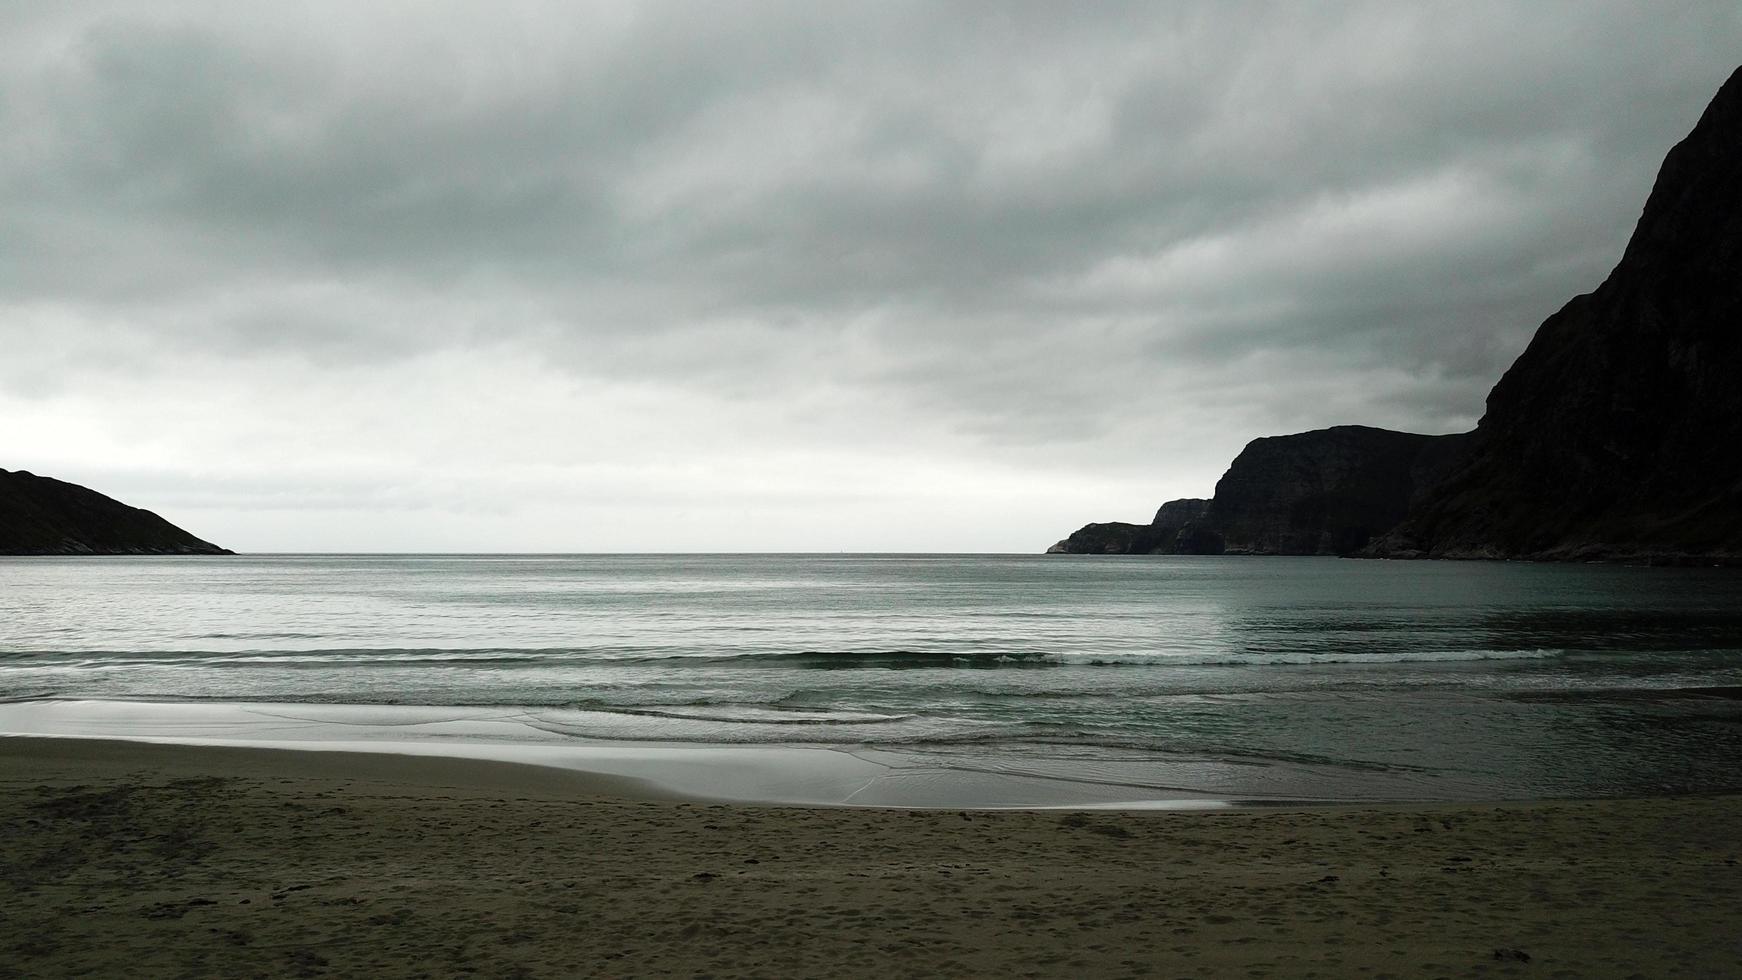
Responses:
[1159,537]
[1178,513]
[1325,492]
[1616,433]
[1180,529]
[1108,538]
[42,516]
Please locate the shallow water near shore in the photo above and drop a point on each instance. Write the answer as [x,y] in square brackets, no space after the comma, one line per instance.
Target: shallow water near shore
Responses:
[915,680]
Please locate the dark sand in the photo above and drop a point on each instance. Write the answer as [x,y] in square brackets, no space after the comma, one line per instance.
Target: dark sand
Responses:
[158,861]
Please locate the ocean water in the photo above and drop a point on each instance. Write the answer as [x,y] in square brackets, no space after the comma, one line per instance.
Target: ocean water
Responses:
[1137,678]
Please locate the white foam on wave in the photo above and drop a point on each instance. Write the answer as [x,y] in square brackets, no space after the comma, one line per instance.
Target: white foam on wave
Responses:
[762,715]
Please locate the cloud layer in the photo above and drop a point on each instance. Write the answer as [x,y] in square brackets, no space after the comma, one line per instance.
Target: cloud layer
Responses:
[785,276]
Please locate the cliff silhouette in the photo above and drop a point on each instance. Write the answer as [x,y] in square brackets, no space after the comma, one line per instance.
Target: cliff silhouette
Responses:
[1612,437]
[43,516]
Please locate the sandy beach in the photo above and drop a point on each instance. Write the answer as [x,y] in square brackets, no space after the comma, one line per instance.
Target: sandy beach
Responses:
[155,860]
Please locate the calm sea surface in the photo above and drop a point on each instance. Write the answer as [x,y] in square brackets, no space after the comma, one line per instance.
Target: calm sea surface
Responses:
[1263,677]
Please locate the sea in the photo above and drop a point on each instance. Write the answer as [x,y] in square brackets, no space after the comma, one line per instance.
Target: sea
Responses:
[913,679]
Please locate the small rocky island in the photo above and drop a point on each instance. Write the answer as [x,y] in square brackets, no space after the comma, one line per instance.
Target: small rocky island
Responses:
[1613,437]
[43,516]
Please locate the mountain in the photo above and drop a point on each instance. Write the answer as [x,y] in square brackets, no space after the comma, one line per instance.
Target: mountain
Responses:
[1326,492]
[42,516]
[1614,436]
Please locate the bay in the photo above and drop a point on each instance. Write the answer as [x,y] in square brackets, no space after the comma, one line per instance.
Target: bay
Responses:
[1259,678]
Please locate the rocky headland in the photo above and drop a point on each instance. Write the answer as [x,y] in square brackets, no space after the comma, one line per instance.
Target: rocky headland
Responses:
[1326,492]
[43,516]
[1613,436]
[1162,536]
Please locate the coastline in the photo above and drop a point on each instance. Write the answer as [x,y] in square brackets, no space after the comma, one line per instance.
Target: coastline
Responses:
[777,774]
[170,859]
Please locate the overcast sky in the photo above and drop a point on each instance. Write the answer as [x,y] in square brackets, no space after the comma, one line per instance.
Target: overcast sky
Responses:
[806,276]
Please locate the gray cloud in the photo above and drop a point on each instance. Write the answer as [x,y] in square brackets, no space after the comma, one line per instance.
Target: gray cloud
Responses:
[980,241]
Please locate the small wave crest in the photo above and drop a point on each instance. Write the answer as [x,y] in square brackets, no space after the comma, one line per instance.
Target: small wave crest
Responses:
[751,714]
[897,659]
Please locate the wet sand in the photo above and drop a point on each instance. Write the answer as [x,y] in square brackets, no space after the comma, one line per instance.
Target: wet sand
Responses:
[154,860]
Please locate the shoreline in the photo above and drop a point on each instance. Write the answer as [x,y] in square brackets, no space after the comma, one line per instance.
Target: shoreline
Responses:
[778,774]
[876,775]
[415,773]
[192,860]
[387,772]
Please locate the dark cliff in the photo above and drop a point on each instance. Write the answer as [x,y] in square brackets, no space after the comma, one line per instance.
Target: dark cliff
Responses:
[1326,492]
[1161,536]
[1615,434]
[41,516]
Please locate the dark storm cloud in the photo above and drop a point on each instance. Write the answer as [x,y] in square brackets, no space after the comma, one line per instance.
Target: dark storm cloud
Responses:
[1024,224]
